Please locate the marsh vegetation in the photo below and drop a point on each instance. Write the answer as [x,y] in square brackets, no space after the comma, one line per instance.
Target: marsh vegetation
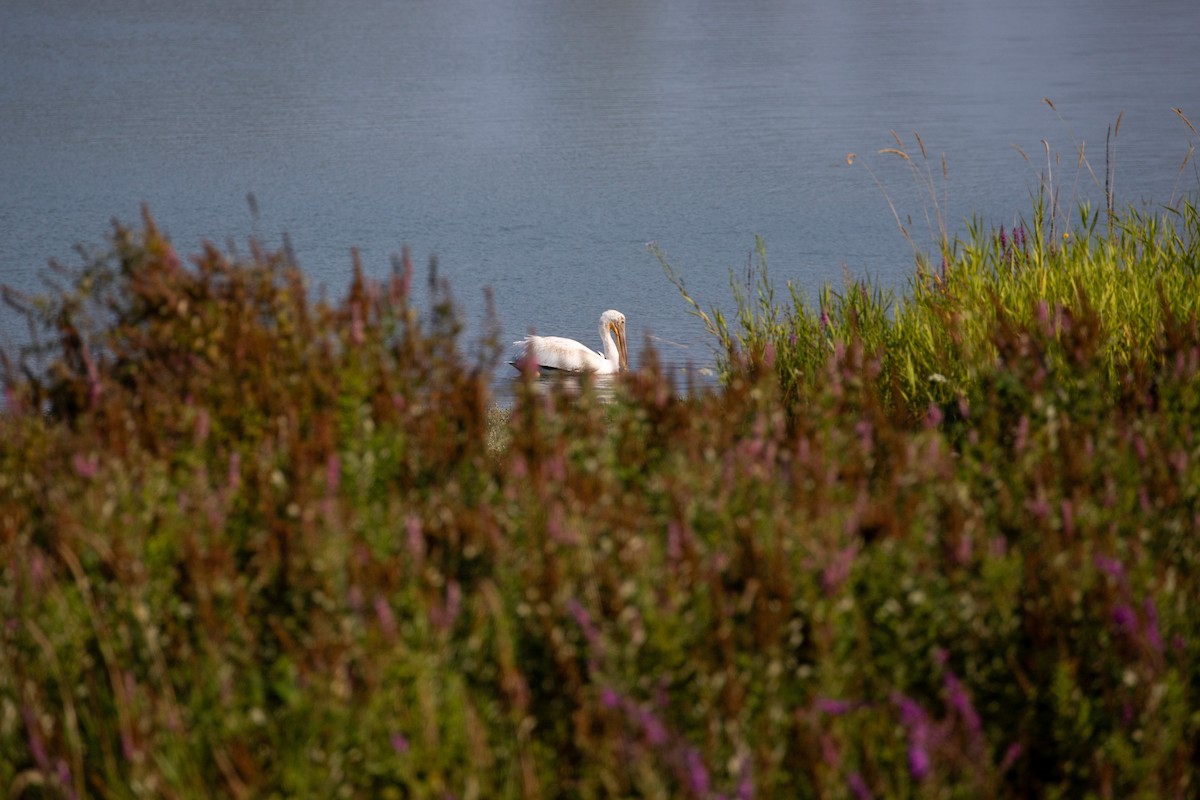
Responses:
[931,543]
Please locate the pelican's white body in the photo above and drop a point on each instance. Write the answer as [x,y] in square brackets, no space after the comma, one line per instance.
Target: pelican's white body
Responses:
[557,352]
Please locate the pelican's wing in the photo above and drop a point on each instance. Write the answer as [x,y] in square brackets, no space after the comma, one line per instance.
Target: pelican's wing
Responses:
[557,352]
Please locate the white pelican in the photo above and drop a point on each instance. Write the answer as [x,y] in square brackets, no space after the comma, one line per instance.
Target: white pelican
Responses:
[557,352]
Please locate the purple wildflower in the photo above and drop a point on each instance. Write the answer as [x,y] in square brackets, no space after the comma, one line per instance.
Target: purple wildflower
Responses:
[911,713]
[934,416]
[584,620]
[1153,634]
[834,707]
[387,620]
[1043,314]
[1010,756]
[555,467]
[674,541]
[86,466]
[415,540]
[745,790]
[830,753]
[1109,565]
[64,778]
[652,727]
[128,748]
[203,425]
[399,743]
[661,696]
[916,721]
[1125,619]
[235,472]
[95,386]
[866,434]
[918,759]
[556,526]
[858,787]
[697,772]
[1039,506]
[333,473]
[36,747]
[1068,516]
[838,569]
[963,550]
[443,614]
[961,701]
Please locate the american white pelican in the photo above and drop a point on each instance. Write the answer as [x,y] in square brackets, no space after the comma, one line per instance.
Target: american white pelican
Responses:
[557,352]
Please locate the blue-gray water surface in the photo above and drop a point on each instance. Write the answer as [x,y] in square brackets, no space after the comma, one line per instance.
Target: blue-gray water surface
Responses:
[537,146]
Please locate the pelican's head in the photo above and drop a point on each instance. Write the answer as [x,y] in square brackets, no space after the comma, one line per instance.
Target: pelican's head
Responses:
[614,322]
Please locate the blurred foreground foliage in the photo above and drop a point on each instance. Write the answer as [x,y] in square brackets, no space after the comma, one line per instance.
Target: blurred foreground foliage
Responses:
[255,545]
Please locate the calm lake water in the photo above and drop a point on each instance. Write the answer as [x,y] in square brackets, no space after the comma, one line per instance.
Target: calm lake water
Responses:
[536,146]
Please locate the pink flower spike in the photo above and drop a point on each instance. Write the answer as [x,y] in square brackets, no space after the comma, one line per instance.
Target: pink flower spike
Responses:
[652,726]
[1010,756]
[235,472]
[387,620]
[1125,620]
[858,787]
[333,474]
[961,701]
[1021,436]
[203,425]
[1111,566]
[442,615]
[919,763]
[934,416]
[697,772]
[674,541]
[833,707]
[746,783]
[86,466]
[1153,634]
[415,540]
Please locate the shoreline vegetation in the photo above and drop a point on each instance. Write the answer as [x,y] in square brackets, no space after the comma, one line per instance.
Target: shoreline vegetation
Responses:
[942,544]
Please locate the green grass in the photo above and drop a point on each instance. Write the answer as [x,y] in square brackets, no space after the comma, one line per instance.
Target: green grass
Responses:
[931,544]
